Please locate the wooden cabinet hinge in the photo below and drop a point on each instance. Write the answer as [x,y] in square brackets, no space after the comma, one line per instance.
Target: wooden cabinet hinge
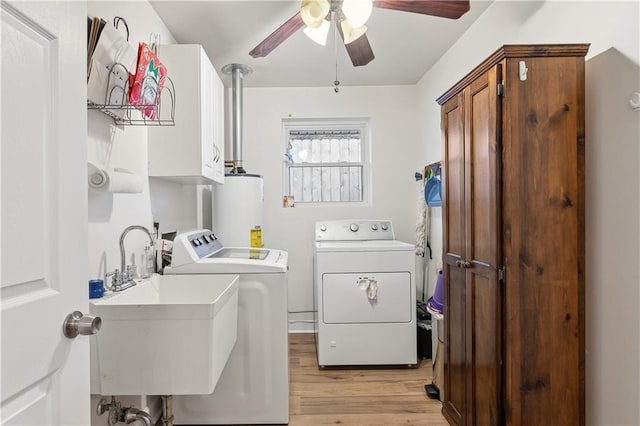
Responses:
[501,274]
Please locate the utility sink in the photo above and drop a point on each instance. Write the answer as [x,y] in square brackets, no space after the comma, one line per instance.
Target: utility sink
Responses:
[168,335]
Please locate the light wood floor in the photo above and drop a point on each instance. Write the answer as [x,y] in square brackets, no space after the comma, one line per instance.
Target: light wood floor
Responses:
[362,396]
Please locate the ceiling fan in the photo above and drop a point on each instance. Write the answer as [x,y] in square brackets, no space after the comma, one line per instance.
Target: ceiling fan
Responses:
[349,17]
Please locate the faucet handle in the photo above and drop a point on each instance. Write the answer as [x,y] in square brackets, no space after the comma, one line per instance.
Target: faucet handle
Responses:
[130,273]
[116,279]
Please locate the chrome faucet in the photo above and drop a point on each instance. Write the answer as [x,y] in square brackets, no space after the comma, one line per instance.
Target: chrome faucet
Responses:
[123,278]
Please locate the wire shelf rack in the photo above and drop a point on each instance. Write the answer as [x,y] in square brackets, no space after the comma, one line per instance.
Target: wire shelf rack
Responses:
[116,99]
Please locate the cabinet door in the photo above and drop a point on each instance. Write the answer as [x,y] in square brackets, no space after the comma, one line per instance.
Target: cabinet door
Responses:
[455,289]
[483,248]
[218,129]
[186,152]
[471,123]
[208,119]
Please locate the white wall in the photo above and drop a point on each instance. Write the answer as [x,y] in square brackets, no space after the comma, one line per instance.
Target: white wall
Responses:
[394,142]
[124,147]
[613,182]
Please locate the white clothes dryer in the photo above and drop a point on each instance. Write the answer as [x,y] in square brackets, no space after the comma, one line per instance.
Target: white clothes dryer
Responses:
[365,294]
[254,385]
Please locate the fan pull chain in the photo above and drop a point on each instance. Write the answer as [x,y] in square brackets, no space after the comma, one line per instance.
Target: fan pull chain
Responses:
[336,82]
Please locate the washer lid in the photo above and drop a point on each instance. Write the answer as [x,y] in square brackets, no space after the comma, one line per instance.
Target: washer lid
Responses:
[200,252]
[368,245]
[265,261]
[240,253]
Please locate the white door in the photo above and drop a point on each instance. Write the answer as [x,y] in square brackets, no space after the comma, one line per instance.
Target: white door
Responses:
[43,266]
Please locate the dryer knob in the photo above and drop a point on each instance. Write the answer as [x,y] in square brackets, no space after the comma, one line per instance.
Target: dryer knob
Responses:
[354,227]
[385,226]
[323,228]
[374,227]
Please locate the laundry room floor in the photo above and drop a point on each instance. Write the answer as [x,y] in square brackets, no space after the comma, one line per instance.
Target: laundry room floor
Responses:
[357,396]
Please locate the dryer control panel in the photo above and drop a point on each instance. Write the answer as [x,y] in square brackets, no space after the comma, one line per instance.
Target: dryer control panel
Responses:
[354,230]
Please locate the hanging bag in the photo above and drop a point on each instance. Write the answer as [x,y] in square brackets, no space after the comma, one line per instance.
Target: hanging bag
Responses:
[433,188]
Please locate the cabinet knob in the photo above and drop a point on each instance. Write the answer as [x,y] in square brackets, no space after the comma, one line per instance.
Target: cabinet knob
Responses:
[463,264]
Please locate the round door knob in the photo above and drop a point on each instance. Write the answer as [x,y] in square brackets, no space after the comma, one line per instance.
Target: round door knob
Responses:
[354,227]
[76,323]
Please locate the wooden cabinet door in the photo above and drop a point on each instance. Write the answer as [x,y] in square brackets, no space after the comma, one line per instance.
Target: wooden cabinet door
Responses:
[453,178]
[483,249]
[470,125]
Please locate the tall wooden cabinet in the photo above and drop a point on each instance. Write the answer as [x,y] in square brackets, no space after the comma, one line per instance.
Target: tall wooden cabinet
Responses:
[513,222]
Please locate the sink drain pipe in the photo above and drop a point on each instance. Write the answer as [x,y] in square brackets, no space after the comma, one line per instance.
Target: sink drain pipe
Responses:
[167,410]
[133,414]
[119,414]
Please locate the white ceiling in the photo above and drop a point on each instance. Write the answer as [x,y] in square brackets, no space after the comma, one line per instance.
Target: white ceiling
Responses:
[405,44]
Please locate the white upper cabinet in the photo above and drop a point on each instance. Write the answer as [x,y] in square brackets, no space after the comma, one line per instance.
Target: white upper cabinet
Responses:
[192,151]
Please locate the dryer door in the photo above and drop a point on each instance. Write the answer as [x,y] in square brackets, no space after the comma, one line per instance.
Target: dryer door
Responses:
[366,298]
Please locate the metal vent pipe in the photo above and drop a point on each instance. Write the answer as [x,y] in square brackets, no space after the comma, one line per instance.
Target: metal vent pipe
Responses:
[237,72]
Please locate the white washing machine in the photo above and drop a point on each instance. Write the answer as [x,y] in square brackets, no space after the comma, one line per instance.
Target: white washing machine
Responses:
[254,385]
[365,294]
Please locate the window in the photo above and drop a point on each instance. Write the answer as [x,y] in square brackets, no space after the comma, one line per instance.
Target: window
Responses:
[326,161]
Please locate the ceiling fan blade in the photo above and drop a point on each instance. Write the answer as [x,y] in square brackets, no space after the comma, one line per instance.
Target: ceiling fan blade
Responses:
[276,38]
[359,50]
[452,9]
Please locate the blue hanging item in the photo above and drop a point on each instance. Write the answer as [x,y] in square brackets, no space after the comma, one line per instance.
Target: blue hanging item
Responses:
[433,188]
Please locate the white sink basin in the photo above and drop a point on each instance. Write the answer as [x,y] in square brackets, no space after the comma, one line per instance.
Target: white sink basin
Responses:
[168,335]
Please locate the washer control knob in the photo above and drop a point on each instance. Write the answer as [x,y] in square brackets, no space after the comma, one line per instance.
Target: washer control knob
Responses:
[374,227]
[323,228]
[384,227]
[354,227]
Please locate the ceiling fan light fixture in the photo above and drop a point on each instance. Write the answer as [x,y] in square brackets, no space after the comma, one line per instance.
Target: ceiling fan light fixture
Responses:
[313,12]
[319,34]
[351,34]
[357,11]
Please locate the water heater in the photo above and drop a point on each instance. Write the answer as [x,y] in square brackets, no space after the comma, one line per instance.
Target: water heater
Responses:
[237,210]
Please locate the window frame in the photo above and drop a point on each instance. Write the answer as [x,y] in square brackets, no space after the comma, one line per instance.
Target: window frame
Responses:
[363,124]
